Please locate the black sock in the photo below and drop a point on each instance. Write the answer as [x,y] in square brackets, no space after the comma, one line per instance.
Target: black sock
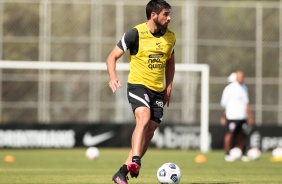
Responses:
[124,169]
[137,160]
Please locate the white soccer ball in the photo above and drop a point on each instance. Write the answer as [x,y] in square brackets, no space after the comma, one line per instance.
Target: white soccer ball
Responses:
[254,153]
[92,153]
[277,152]
[169,173]
[235,153]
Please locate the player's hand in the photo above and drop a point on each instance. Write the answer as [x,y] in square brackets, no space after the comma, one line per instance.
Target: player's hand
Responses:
[166,100]
[251,121]
[223,121]
[114,84]
[167,93]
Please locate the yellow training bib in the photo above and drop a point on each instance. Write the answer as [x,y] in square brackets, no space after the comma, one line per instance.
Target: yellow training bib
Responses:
[147,67]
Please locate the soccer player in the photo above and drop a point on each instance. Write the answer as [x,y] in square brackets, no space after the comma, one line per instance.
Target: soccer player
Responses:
[152,68]
[237,116]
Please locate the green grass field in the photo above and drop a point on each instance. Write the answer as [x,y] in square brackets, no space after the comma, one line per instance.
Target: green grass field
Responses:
[70,166]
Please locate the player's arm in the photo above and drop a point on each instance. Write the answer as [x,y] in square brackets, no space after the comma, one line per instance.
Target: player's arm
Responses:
[225,96]
[223,119]
[223,103]
[111,66]
[169,75]
[127,42]
[250,116]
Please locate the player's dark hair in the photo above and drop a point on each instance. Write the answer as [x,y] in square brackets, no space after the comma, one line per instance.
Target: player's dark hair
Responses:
[156,6]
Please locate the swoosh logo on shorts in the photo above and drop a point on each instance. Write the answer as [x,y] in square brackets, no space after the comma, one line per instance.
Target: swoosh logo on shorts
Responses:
[89,140]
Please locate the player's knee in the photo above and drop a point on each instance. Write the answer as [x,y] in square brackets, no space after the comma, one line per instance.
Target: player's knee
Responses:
[142,123]
[230,134]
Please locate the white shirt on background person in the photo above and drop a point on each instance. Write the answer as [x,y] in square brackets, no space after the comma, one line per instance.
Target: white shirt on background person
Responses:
[234,100]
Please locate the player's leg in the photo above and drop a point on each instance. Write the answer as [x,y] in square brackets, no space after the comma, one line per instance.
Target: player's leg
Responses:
[156,104]
[239,134]
[241,144]
[229,135]
[228,140]
[243,141]
[133,161]
[142,115]
[149,135]
[227,146]
[240,141]
[148,120]
[137,99]
[246,131]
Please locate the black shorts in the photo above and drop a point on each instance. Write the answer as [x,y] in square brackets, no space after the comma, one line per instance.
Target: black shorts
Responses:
[235,125]
[141,96]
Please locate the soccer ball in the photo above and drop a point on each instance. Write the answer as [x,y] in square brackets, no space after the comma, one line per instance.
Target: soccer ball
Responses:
[235,153]
[277,152]
[254,153]
[92,153]
[169,173]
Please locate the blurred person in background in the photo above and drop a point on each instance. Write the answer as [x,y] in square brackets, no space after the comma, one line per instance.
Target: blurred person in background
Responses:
[237,116]
[152,68]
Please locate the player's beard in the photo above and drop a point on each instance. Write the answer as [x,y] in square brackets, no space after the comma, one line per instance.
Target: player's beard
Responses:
[159,25]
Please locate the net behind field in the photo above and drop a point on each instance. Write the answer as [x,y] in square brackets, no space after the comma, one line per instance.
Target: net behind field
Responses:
[83,96]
